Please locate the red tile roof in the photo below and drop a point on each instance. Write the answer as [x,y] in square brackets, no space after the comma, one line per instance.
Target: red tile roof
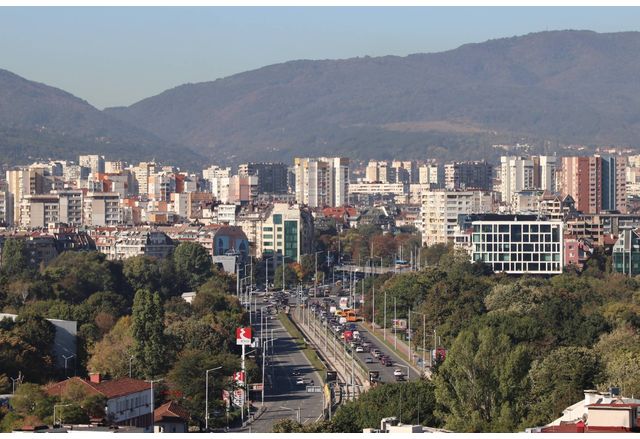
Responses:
[110,389]
[170,410]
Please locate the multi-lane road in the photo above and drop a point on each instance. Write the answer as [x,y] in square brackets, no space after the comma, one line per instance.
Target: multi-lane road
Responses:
[283,397]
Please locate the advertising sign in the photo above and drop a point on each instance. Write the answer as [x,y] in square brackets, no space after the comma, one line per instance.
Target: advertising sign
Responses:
[243,336]
[238,377]
[400,324]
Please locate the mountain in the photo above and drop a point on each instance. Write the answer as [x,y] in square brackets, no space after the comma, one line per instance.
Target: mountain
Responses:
[39,121]
[549,89]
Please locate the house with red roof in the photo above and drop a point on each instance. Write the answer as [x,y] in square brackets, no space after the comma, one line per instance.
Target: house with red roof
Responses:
[171,418]
[128,399]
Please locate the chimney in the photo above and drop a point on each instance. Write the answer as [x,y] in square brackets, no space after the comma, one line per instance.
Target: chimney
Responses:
[95,378]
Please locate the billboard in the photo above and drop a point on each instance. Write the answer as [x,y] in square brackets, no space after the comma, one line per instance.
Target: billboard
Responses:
[238,377]
[243,336]
[400,324]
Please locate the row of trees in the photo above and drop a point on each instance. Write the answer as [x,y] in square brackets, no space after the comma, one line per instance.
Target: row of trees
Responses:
[131,320]
[520,349]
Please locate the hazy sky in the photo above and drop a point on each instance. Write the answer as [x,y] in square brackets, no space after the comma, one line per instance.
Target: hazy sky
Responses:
[117,56]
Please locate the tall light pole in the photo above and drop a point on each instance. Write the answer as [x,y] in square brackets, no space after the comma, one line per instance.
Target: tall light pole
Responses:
[283,268]
[395,326]
[130,365]
[13,383]
[153,422]
[65,363]
[206,397]
[54,412]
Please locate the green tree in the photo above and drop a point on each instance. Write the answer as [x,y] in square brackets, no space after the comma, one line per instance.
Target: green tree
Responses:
[142,272]
[411,402]
[15,260]
[111,355]
[30,400]
[559,381]
[148,334]
[483,384]
[187,378]
[193,264]
[290,277]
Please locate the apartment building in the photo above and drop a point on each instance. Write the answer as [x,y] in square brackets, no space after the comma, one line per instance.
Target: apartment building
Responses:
[468,175]
[322,182]
[102,209]
[287,230]
[581,177]
[20,183]
[431,174]
[440,211]
[95,163]
[518,244]
[272,177]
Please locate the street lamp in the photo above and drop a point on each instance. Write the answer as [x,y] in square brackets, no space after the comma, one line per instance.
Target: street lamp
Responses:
[17,379]
[153,422]
[206,397]
[293,410]
[54,412]
[130,365]
[65,362]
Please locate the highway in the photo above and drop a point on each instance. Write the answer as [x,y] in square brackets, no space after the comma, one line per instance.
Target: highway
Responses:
[283,397]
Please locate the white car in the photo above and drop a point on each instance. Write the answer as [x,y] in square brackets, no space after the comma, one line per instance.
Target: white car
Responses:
[398,373]
[300,381]
[359,349]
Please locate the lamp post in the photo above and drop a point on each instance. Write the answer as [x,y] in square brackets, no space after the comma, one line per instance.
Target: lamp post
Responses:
[65,362]
[54,412]
[206,397]
[293,410]
[424,337]
[153,426]
[17,379]
[130,365]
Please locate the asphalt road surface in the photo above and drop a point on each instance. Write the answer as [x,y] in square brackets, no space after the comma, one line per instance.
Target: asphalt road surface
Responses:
[386,372]
[283,396]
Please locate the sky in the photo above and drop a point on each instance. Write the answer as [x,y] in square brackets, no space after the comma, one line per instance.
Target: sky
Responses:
[120,55]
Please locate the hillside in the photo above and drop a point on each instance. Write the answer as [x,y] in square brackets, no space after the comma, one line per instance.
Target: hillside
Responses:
[38,121]
[555,87]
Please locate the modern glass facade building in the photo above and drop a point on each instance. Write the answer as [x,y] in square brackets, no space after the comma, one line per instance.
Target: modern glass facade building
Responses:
[626,253]
[518,244]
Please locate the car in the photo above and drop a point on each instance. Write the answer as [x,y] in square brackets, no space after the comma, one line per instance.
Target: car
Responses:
[398,372]
[300,381]
[359,349]
[387,362]
[369,360]
[375,353]
[400,378]
[296,373]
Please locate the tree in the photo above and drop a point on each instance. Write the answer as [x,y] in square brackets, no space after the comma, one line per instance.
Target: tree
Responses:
[30,400]
[559,381]
[187,378]
[192,264]
[483,383]
[112,354]
[15,261]
[148,338]
[142,272]
[412,402]
[291,277]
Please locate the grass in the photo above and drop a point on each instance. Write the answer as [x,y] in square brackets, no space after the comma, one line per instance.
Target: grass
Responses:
[311,354]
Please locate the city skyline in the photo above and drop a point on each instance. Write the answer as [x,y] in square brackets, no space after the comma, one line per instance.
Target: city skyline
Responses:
[152,49]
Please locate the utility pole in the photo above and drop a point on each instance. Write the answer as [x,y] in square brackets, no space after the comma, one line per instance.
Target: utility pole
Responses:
[266,274]
[384,323]
[283,268]
[206,397]
[395,326]
[153,427]
[424,338]
[410,338]
[130,364]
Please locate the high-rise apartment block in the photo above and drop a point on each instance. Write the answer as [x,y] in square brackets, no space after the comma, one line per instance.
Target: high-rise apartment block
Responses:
[272,177]
[94,162]
[522,174]
[440,210]
[468,175]
[432,174]
[288,231]
[595,183]
[322,182]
